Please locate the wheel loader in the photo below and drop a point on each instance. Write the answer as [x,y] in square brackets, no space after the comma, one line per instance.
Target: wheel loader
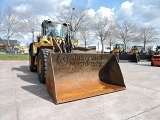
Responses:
[54,37]
[137,50]
[72,76]
[119,48]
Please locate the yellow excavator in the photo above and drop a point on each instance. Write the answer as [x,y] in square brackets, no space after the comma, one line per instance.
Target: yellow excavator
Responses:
[71,76]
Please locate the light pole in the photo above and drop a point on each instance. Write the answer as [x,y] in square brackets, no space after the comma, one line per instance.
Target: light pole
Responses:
[73,9]
[32,35]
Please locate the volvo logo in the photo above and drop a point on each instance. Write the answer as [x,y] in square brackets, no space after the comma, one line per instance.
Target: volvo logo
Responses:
[62,60]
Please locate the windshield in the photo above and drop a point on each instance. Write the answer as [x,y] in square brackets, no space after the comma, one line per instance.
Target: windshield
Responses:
[138,47]
[56,30]
[120,46]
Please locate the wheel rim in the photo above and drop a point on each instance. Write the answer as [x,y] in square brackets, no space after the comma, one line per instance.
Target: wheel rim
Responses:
[40,66]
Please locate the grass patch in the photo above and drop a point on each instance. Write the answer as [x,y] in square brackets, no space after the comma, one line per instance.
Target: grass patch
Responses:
[14,56]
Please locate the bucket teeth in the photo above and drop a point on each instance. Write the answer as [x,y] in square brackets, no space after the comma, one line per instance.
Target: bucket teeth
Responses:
[74,76]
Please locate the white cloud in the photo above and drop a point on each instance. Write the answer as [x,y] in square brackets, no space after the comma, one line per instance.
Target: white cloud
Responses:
[146,11]
[40,6]
[126,8]
[125,12]
[42,17]
[23,8]
[91,13]
[106,12]
[64,2]
[141,12]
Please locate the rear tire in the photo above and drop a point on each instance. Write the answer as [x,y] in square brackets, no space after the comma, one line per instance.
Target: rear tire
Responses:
[32,66]
[42,64]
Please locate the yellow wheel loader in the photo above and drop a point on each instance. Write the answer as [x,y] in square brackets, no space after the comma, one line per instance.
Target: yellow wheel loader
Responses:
[137,50]
[119,48]
[54,37]
[72,76]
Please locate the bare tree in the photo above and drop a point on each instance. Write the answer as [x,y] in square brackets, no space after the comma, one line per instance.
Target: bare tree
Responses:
[11,23]
[30,22]
[113,36]
[101,26]
[75,16]
[84,31]
[148,35]
[127,32]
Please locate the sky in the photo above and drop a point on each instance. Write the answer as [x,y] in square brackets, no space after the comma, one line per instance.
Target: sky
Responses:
[141,12]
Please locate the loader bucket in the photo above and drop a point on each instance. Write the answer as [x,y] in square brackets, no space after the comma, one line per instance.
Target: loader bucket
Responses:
[73,76]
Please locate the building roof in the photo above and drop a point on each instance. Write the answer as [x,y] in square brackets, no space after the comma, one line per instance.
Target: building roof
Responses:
[12,42]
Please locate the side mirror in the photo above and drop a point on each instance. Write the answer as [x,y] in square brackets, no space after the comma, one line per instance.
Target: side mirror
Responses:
[69,26]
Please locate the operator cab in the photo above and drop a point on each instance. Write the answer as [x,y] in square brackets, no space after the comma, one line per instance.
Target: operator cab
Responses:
[137,48]
[54,29]
[119,46]
[60,34]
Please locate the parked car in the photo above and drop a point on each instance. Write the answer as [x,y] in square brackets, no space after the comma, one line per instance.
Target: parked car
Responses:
[155,60]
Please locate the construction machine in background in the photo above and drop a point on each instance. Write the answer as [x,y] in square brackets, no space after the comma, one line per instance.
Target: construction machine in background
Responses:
[136,54]
[4,47]
[17,48]
[122,54]
[14,48]
[118,48]
[137,50]
[140,53]
[72,76]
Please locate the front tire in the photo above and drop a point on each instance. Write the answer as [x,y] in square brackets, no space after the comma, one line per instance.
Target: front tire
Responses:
[42,64]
